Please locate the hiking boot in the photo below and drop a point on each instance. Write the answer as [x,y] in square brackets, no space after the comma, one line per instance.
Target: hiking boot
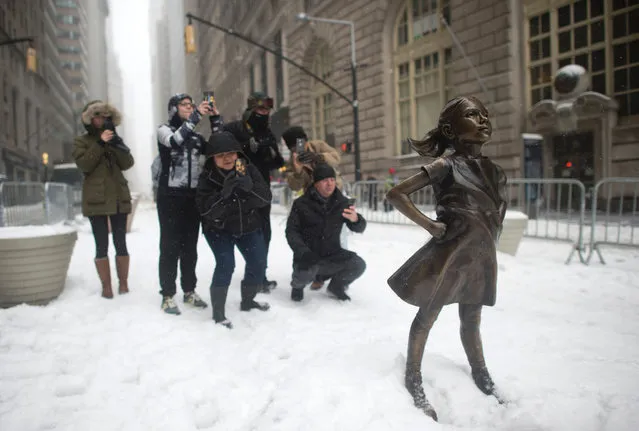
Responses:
[169,306]
[194,300]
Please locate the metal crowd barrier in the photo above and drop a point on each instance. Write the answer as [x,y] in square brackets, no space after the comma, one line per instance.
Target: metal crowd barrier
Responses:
[557,209]
[614,217]
[33,203]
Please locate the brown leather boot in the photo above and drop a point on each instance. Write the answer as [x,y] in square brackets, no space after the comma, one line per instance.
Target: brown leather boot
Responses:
[122,268]
[104,272]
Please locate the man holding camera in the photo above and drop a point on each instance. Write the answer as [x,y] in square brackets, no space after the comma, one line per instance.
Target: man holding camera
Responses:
[180,147]
[313,233]
[260,146]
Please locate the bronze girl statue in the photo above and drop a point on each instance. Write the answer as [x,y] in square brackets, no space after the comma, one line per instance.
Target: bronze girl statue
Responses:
[459,264]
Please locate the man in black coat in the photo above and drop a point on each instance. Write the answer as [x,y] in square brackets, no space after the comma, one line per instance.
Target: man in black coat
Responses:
[313,233]
[253,132]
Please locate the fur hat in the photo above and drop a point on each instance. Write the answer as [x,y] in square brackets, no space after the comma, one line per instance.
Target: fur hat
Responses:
[98,107]
[292,134]
[323,171]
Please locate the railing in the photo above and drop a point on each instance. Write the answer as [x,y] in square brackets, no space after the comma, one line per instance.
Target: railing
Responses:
[32,203]
[614,217]
[558,209]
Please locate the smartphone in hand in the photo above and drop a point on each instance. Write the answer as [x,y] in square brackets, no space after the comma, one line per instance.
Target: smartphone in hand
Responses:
[209,96]
[351,201]
[299,146]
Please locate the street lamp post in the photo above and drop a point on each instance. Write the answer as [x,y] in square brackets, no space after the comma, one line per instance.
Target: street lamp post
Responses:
[354,101]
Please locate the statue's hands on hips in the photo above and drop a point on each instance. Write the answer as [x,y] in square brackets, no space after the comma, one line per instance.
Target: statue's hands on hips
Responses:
[437,229]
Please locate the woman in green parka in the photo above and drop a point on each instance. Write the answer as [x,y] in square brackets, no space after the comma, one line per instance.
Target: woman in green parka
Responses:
[102,156]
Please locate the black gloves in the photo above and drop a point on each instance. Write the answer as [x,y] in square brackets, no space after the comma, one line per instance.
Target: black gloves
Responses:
[117,143]
[309,158]
[236,182]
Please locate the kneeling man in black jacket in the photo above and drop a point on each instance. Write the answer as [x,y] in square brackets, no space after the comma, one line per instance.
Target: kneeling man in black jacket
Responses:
[313,233]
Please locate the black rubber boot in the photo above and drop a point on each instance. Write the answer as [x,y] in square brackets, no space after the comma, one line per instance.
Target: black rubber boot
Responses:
[248,299]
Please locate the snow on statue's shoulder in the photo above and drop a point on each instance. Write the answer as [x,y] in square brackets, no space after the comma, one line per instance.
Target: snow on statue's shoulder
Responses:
[34,231]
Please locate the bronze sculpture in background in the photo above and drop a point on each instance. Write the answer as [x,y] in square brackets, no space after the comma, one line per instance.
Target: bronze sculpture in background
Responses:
[459,264]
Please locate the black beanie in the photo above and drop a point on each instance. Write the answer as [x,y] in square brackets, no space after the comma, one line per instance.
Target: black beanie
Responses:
[323,171]
[291,135]
[222,142]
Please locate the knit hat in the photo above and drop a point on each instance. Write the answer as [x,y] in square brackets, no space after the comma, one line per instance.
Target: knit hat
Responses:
[174,101]
[292,134]
[222,142]
[323,171]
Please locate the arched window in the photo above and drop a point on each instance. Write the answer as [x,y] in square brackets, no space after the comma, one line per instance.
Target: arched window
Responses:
[323,124]
[421,59]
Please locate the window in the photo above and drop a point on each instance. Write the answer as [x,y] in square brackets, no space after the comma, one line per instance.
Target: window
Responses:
[279,71]
[251,79]
[38,129]
[422,60]
[66,3]
[264,73]
[14,114]
[73,35]
[69,49]
[27,123]
[625,48]
[323,123]
[575,33]
[68,19]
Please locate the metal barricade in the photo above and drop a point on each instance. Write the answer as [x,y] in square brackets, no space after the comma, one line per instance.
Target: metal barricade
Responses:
[371,202]
[555,209]
[32,203]
[614,217]
[58,203]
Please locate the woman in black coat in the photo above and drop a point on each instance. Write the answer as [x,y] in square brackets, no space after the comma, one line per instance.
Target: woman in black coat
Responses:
[229,195]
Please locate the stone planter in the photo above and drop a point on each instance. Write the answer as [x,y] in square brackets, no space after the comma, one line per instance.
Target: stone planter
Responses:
[515,224]
[34,261]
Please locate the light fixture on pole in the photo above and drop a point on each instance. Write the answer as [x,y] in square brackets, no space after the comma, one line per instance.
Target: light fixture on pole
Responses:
[189,38]
[31,60]
[354,102]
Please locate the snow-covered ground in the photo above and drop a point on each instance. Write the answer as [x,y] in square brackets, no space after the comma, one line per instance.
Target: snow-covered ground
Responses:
[562,343]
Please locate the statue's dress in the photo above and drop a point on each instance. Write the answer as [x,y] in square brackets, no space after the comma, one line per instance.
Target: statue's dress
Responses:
[460,267]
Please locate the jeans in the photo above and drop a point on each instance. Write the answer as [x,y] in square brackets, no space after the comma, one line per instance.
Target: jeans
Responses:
[252,247]
[179,231]
[100,227]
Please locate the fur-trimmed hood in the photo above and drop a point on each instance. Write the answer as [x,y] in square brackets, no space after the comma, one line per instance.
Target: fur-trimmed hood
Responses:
[97,106]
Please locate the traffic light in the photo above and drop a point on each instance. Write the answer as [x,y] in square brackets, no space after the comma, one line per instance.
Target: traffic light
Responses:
[347,147]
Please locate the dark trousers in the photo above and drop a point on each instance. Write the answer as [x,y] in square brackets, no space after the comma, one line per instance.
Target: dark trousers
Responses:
[341,272]
[100,227]
[265,215]
[251,246]
[179,230]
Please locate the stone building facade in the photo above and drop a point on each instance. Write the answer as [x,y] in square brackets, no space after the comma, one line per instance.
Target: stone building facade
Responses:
[35,108]
[410,64]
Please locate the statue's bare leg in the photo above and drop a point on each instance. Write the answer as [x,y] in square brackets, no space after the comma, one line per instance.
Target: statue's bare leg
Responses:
[416,343]
[470,318]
